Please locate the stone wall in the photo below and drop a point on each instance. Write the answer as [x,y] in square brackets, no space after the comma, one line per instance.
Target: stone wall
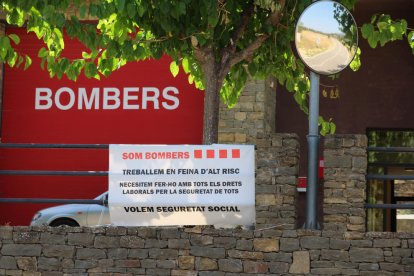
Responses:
[277,161]
[202,251]
[252,121]
[253,116]
[344,188]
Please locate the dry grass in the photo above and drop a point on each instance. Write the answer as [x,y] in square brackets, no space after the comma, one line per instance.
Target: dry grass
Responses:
[311,43]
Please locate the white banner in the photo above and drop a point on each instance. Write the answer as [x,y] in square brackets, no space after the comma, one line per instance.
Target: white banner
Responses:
[181,185]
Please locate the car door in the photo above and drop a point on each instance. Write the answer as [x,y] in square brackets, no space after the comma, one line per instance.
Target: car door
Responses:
[98,214]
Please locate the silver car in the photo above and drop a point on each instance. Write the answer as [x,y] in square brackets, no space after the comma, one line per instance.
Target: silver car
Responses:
[74,214]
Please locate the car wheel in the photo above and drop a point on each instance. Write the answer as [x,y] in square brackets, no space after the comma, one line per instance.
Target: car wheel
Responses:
[67,222]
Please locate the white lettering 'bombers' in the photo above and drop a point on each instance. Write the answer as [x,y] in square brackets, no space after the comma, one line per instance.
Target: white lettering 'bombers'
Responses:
[58,94]
[146,97]
[128,98]
[114,98]
[166,95]
[107,98]
[93,99]
[43,98]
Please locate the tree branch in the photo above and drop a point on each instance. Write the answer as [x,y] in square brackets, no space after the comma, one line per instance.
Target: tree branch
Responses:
[245,19]
[230,58]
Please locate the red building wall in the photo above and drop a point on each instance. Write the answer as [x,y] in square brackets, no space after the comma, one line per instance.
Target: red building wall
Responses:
[152,107]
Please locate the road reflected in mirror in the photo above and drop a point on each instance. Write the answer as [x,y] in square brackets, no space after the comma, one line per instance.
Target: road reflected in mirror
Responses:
[326,37]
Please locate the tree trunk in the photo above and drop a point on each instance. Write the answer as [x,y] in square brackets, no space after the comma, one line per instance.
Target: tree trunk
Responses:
[211,101]
[211,114]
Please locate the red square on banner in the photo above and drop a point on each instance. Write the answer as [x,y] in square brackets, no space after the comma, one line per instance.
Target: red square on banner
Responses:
[223,153]
[210,153]
[235,153]
[198,154]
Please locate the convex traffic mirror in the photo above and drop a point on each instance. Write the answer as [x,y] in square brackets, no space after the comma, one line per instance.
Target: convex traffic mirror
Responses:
[326,37]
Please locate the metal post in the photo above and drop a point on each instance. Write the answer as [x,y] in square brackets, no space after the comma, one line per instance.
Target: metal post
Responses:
[313,148]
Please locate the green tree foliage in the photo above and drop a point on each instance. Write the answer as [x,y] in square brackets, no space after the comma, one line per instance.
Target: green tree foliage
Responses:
[218,43]
[382,29]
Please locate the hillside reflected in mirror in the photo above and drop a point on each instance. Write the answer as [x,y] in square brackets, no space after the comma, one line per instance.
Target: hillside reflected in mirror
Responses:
[326,37]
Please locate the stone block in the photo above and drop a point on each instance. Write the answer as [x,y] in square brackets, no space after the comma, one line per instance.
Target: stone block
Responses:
[356,220]
[214,253]
[310,242]
[48,264]
[354,193]
[240,138]
[6,233]
[248,98]
[138,253]
[335,200]
[366,255]
[246,106]
[255,267]
[64,251]
[83,239]
[179,243]
[106,242]
[240,254]
[131,242]
[334,255]
[333,184]
[369,266]
[289,244]
[332,142]
[401,252]
[240,116]
[27,263]
[326,271]
[26,237]
[349,271]
[162,254]
[21,249]
[85,264]
[335,218]
[8,262]
[356,227]
[90,253]
[338,161]
[149,263]
[339,244]
[266,245]
[278,257]
[117,253]
[359,163]
[206,264]
[69,263]
[278,268]
[176,272]
[393,267]
[186,262]
[226,242]
[201,240]
[226,137]
[49,238]
[155,243]
[157,271]
[244,245]
[320,264]
[230,265]
[361,243]
[301,263]
[267,199]
[170,264]
[387,243]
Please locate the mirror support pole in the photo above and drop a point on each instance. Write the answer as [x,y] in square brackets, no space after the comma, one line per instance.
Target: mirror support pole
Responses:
[313,149]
